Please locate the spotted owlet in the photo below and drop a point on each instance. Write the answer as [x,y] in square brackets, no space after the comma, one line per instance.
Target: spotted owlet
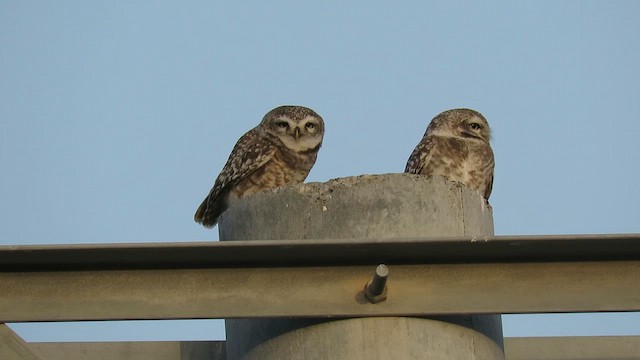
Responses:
[280,150]
[456,146]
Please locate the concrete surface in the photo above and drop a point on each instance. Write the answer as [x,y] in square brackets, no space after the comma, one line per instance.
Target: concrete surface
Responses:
[365,338]
[362,207]
[373,206]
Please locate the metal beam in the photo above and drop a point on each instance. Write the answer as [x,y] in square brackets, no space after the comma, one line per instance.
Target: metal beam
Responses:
[279,253]
[336,291]
[140,350]
[573,348]
[258,279]
[12,347]
[537,348]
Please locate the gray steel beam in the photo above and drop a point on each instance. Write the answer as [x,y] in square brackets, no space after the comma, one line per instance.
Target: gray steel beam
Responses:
[12,347]
[242,279]
[337,291]
[143,350]
[573,348]
[538,348]
[277,253]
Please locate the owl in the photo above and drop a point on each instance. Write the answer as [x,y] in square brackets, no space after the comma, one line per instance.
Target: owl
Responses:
[280,150]
[456,146]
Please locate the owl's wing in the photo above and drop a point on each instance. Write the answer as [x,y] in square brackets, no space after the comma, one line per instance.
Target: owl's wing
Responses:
[490,166]
[487,190]
[420,156]
[250,153]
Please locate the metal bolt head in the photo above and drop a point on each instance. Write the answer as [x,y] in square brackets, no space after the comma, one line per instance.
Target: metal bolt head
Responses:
[376,289]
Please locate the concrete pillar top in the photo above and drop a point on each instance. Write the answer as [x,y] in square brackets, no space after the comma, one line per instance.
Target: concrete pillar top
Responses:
[366,206]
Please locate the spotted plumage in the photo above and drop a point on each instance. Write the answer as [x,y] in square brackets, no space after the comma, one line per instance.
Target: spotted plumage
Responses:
[280,150]
[456,146]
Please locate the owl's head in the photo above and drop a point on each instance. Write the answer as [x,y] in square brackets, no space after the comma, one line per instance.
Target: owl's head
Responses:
[464,123]
[299,128]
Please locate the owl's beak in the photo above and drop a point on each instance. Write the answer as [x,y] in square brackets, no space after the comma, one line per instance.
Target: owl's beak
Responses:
[296,134]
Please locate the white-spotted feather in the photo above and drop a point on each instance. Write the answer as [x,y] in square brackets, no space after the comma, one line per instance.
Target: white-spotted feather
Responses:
[456,146]
[272,154]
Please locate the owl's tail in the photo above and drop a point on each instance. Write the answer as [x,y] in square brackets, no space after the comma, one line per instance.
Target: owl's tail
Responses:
[209,211]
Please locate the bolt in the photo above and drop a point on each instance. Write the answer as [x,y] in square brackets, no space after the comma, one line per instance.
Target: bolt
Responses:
[376,288]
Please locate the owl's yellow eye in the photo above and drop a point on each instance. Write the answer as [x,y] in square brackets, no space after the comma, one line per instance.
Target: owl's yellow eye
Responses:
[474,126]
[282,124]
[310,126]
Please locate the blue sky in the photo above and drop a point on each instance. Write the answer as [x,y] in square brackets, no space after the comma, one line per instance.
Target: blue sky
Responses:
[115,117]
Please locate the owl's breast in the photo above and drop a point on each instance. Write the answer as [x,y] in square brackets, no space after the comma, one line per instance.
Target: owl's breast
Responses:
[278,171]
[479,167]
[467,162]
